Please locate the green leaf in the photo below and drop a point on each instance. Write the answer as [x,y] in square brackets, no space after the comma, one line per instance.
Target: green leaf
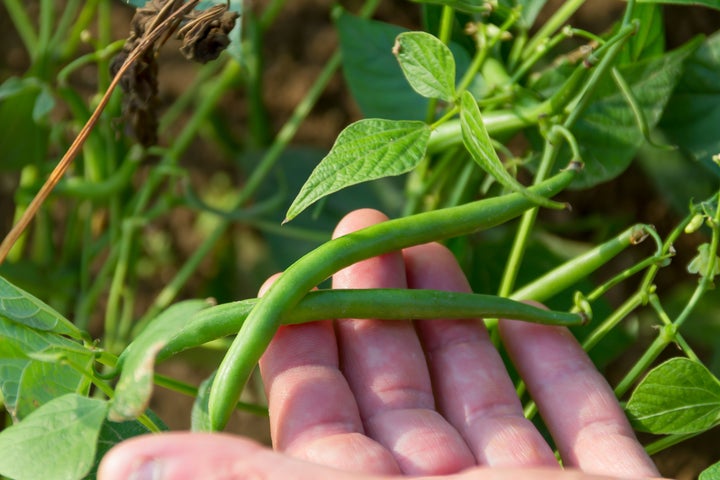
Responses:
[607,131]
[27,383]
[427,63]
[372,73]
[58,440]
[22,307]
[478,143]
[649,40]
[366,150]
[707,3]
[711,473]
[135,386]
[680,396]
[693,112]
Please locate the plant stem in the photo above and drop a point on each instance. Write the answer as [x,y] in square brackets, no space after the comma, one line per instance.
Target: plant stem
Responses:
[23,25]
[558,19]
[191,391]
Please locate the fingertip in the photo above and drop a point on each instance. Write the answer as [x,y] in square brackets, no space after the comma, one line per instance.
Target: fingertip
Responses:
[181,456]
[268,283]
[357,219]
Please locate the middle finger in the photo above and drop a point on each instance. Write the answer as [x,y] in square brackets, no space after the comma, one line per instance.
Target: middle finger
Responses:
[385,367]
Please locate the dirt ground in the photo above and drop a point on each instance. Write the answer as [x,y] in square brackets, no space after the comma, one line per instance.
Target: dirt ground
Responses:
[296,49]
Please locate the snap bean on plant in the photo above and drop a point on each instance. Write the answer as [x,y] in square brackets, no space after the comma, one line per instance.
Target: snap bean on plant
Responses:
[319,264]
[384,304]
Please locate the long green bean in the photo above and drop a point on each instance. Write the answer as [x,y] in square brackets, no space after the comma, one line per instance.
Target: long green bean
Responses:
[379,303]
[316,266]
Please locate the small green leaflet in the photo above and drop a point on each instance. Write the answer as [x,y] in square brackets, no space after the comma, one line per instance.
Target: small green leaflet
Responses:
[366,150]
[478,143]
[58,440]
[427,63]
[679,396]
[701,263]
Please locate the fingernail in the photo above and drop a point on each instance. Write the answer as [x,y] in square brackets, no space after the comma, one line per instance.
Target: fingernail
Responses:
[149,470]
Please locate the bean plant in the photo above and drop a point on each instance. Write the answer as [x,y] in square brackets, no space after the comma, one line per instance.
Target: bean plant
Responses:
[479,129]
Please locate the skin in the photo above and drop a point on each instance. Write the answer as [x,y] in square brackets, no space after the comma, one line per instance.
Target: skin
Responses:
[366,399]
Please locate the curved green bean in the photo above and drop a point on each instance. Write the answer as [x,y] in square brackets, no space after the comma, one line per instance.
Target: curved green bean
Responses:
[319,264]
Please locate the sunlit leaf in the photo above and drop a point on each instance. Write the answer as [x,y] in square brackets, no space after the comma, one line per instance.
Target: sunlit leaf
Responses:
[679,396]
[478,143]
[427,63]
[29,382]
[711,473]
[22,307]
[366,150]
[58,440]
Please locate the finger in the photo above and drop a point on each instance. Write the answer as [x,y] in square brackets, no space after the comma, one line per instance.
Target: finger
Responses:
[473,389]
[313,414]
[386,369]
[185,456]
[576,403]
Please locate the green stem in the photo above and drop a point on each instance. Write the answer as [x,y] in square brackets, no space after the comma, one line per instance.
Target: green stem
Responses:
[191,391]
[522,237]
[313,268]
[68,14]
[117,286]
[22,23]
[668,441]
[86,16]
[664,338]
[611,321]
[558,19]
[482,54]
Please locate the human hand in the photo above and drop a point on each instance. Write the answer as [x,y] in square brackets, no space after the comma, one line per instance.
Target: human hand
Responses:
[358,399]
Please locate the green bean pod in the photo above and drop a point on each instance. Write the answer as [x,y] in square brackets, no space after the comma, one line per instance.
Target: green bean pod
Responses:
[392,235]
[379,303]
